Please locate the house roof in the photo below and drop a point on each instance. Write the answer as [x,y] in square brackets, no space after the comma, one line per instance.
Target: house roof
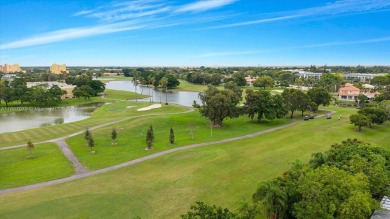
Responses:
[349,88]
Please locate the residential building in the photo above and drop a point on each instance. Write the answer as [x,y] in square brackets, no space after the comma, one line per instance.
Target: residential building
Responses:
[348,93]
[360,76]
[351,92]
[58,69]
[10,68]
[66,87]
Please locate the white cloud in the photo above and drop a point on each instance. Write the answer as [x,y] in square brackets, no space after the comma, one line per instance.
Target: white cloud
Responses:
[204,5]
[72,33]
[338,7]
[368,41]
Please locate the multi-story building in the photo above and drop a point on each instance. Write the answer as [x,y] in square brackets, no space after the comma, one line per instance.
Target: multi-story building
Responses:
[351,92]
[10,68]
[57,69]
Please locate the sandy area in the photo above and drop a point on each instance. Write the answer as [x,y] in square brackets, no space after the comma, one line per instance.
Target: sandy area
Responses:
[154,106]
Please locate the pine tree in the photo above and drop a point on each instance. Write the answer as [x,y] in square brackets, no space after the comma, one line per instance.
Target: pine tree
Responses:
[171,136]
[30,146]
[150,137]
[91,142]
[114,135]
[87,134]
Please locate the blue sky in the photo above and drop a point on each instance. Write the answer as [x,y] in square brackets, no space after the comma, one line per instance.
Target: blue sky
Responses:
[195,33]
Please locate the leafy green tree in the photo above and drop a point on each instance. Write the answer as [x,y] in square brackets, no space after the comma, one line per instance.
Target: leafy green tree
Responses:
[164,85]
[327,192]
[273,199]
[264,105]
[83,91]
[296,100]
[376,115]
[264,81]
[171,136]
[56,94]
[126,72]
[385,106]
[114,135]
[19,86]
[201,210]
[380,80]
[97,86]
[218,105]
[30,146]
[319,96]
[359,120]
[150,137]
[362,99]
[7,94]
[173,82]
[87,134]
[239,79]
[91,142]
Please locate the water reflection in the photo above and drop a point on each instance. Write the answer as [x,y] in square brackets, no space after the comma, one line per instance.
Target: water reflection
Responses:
[177,97]
[39,117]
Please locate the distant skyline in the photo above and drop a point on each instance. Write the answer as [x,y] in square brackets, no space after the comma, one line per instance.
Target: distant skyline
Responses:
[195,33]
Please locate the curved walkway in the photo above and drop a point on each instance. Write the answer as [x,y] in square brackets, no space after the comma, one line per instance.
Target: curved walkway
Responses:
[139,160]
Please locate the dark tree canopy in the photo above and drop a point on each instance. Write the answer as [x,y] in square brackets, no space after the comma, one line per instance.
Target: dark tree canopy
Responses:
[319,96]
[218,105]
[376,115]
[360,120]
[264,105]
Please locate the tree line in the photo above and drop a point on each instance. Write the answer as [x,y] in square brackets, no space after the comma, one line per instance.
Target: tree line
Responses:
[218,105]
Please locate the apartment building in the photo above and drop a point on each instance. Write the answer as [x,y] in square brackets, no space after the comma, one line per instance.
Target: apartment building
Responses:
[10,68]
[58,69]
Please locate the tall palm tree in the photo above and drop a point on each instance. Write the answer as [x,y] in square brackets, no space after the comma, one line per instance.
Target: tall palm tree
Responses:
[273,198]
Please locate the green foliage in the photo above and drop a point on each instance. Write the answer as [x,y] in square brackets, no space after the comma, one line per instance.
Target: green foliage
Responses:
[30,146]
[273,199]
[201,210]
[360,120]
[385,106]
[264,105]
[171,136]
[297,100]
[87,134]
[319,96]
[264,81]
[376,115]
[328,192]
[220,104]
[114,134]
[150,137]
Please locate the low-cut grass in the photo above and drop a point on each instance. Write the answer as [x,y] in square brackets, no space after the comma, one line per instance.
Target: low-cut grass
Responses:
[106,113]
[131,141]
[46,162]
[165,187]
[111,95]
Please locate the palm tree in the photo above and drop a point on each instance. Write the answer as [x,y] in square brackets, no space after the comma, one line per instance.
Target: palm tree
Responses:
[164,84]
[135,82]
[273,198]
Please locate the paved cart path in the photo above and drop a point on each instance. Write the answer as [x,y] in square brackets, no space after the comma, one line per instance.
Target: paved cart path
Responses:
[139,160]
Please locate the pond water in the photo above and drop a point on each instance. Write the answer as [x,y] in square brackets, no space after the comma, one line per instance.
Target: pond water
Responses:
[39,117]
[177,97]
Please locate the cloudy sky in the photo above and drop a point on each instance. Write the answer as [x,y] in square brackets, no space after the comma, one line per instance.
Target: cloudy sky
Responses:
[195,32]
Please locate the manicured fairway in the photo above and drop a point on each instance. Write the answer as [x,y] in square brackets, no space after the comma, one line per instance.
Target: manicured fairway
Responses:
[107,113]
[131,136]
[46,162]
[166,186]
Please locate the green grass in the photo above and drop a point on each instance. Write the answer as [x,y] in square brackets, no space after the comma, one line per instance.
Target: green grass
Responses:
[106,113]
[111,95]
[46,162]
[131,136]
[114,78]
[166,186]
